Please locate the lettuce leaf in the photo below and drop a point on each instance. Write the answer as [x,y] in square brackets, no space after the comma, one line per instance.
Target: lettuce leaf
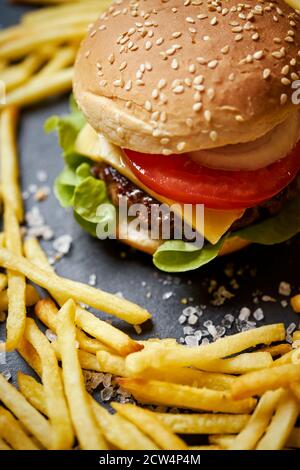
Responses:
[75,186]
[179,256]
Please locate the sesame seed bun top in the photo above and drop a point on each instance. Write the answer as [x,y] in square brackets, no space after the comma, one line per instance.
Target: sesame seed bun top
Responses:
[170,76]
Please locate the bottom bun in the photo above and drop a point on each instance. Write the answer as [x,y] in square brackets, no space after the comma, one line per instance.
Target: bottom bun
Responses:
[139,241]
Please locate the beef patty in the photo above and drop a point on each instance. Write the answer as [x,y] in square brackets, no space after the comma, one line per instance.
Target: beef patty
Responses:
[118,185]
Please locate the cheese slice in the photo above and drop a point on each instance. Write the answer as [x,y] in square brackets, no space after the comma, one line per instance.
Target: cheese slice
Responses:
[98,148]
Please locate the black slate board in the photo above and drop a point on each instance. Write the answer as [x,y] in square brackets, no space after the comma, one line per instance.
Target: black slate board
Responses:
[135,276]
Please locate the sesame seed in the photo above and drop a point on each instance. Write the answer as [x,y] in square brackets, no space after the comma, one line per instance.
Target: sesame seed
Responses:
[163,98]
[255,36]
[181,146]
[103,83]
[197,96]
[131,31]
[294,76]
[189,19]
[123,66]
[212,64]
[285,70]
[159,41]
[238,37]
[128,85]
[192,68]
[118,83]
[148,45]
[139,75]
[293,62]
[201,60]
[231,77]
[289,39]
[207,115]
[285,81]
[197,107]
[211,93]
[167,151]
[266,73]
[87,54]
[155,94]
[283,99]
[189,122]
[258,55]
[277,54]
[111,59]
[155,115]
[148,105]
[171,51]
[213,136]
[225,50]
[206,38]
[178,89]
[239,118]
[214,21]
[128,104]
[237,29]
[163,116]
[164,141]
[202,16]
[140,82]
[120,132]
[176,35]
[161,84]
[93,33]
[188,82]
[198,80]
[192,30]
[102,27]
[174,64]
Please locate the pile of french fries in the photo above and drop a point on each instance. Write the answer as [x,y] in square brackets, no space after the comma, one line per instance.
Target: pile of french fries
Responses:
[236,399]
[37,55]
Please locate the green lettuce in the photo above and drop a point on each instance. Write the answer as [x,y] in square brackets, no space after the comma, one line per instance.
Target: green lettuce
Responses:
[75,186]
[177,256]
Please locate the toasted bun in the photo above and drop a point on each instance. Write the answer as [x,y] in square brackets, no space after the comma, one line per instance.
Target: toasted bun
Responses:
[170,76]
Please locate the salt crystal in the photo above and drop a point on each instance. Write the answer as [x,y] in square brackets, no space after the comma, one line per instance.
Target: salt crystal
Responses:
[191,341]
[6,374]
[229,317]
[2,354]
[284,303]
[50,335]
[207,323]
[181,340]
[220,331]
[92,280]
[245,313]
[212,331]
[138,329]
[34,218]
[107,380]
[192,319]
[181,319]
[291,328]
[167,295]
[119,294]
[198,334]
[63,244]
[106,394]
[32,188]
[284,288]
[205,341]
[189,311]
[41,176]
[188,330]
[143,284]
[258,314]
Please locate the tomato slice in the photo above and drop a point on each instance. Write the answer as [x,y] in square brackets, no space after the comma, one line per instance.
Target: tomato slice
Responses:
[181,179]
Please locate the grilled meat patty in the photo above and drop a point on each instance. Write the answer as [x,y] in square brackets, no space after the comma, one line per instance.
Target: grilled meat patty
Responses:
[118,185]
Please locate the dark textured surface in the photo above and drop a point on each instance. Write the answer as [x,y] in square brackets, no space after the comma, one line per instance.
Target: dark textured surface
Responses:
[135,275]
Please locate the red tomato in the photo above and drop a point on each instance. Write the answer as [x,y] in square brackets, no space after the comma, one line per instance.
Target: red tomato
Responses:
[179,178]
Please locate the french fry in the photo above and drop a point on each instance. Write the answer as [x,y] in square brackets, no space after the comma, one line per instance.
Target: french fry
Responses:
[63,436]
[29,354]
[295,303]
[120,432]
[87,431]
[295,359]
[296,335]
[240,364]
[198,357]
[40,88]
[116,365]
[204,423]
[285,359]
[295,388]
[87,360]
[208,447]
[33,421]
[258,422]
[3,282]
[16,75]
[10,187]
[294,438]
[256,383]
[13,433]
[33,392]
[31,297]
[16,290]
[224,441]
[4,446]
[46,311]
[282,423]
[66,288]
[150,425]
[19,47]
[278,349]
[103,331]
[63,58]
[163,393]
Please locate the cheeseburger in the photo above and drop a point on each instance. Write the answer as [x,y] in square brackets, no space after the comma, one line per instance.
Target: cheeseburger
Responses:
[188,102]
